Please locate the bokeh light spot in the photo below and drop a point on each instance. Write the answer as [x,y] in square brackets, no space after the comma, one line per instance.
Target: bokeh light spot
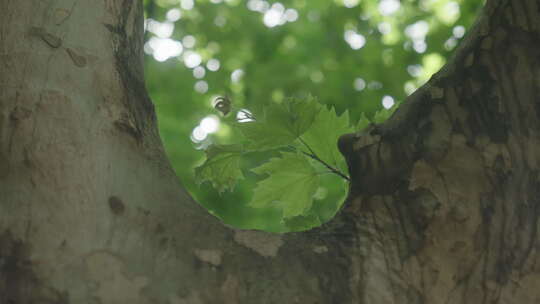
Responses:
[350,3]
[187,4]
[201,86]
[244,115]
[198,134]
[189,41]
[355,40]
[359,84]
[237,75]
[199,72]
[192,59]
[213,65]
[458,31]
[173,15]
[210,124]
[388,101]
[163,48]
[388,7]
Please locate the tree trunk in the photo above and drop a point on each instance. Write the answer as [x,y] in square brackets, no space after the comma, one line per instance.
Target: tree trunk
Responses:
[443,206]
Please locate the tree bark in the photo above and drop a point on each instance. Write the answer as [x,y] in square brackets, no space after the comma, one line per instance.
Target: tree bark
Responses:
[443,205]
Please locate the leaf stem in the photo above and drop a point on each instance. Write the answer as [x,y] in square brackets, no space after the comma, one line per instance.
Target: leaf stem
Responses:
[314,156]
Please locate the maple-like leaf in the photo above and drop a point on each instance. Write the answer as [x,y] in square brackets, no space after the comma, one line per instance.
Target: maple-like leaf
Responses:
[221,168]
[323,134]
[282,124]
[290,185]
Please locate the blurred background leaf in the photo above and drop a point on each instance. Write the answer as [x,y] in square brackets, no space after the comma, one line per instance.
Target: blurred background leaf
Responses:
[364,56]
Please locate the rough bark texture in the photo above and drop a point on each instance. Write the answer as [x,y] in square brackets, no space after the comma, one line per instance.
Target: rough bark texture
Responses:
[444,203]
[448,189]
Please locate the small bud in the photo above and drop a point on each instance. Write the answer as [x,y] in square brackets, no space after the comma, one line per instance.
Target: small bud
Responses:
[222,104]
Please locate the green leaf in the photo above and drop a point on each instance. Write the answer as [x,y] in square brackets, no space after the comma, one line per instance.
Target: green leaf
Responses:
[323,135]
[264,136]
[291,184]
[383,114]
[221,168]
[283,123]
[301,113]
[302,222]
[363,122]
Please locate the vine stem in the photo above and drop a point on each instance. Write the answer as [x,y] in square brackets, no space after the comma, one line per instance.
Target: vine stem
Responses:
[314,156]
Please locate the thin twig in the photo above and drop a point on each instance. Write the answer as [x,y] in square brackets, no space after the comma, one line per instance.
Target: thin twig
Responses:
[314,156]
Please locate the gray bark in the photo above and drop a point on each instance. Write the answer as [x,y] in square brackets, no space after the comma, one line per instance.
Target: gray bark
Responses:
[443,206]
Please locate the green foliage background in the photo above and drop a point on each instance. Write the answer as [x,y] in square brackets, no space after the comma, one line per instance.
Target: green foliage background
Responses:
[307,56]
